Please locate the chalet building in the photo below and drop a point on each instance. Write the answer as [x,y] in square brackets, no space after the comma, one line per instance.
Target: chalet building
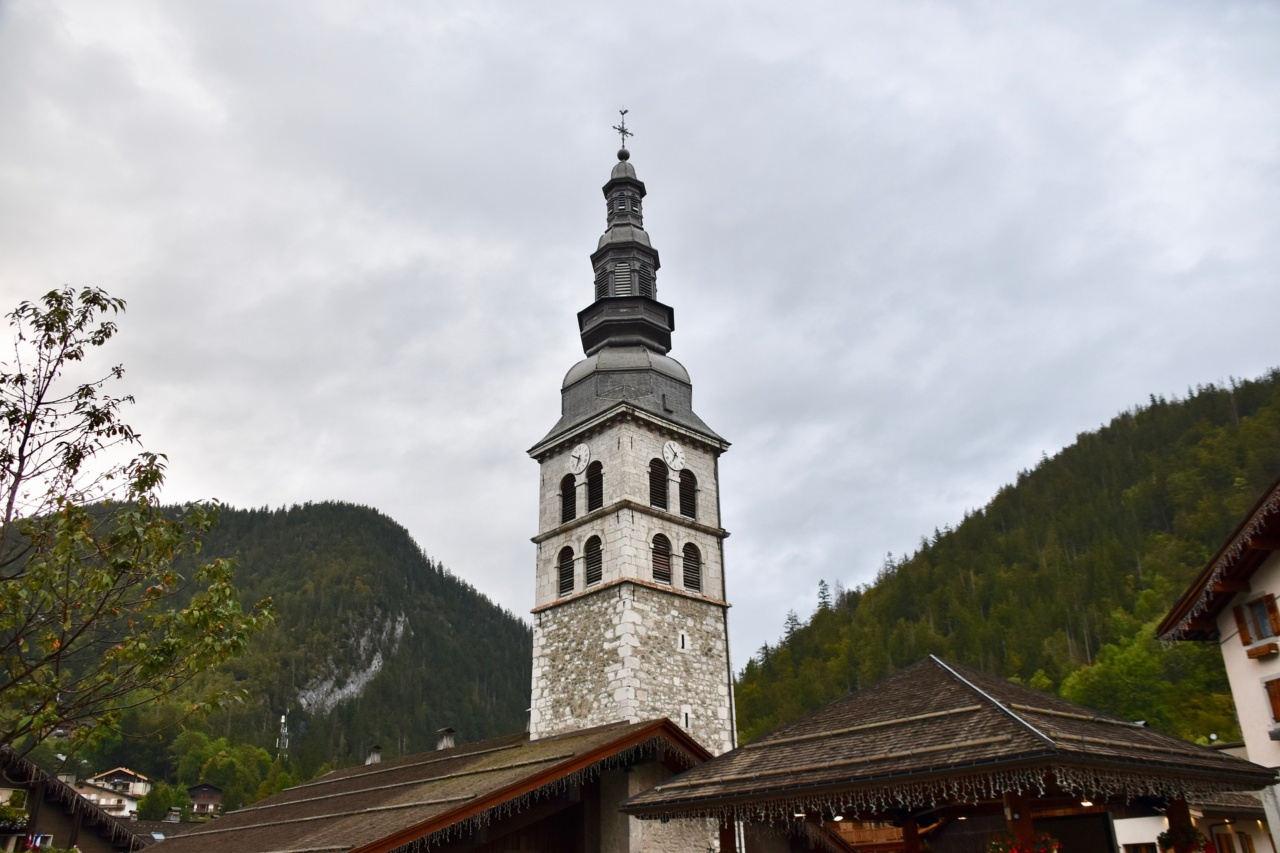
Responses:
[116,792]
[205,799]
[56,815]
[1232,602]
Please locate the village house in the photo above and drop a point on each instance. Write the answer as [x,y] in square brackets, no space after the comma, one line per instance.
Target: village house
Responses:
[1232,602]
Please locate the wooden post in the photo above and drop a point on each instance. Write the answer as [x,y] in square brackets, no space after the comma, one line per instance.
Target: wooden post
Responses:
[1179,818]
[1017,812]
[728,837]
[910,836]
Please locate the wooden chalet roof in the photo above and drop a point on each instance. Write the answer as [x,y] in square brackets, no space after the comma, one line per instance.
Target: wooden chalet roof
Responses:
[1195,616]
[432,796]
[936,733]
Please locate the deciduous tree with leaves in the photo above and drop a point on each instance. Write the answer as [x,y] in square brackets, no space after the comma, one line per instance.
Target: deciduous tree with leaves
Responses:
[94,619]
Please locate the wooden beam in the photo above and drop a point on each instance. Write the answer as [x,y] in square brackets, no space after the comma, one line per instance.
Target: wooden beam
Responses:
[1231,586]
[1263,543]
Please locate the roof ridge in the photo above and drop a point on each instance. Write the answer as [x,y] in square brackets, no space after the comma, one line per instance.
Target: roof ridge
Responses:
[999,705]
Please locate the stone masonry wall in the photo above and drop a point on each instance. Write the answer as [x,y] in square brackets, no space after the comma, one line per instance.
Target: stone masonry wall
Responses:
[632,653]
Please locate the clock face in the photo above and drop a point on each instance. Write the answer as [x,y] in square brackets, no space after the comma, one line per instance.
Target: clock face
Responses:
[674,455]
[578,458]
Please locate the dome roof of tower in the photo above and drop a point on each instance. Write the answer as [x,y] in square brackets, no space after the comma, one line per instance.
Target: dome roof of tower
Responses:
[612,359]
[623,170]
[623,234]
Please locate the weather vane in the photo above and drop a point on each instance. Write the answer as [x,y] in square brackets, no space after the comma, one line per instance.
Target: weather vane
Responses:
[621,127]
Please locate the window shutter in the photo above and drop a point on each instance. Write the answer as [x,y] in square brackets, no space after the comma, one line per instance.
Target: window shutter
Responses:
[658,483]
[1242,624]
[595,486]
[692,568]
[568,499]
[1273,695]
[595,561]
[566,571]
[661,559]
[622,280]
[688,494]
[1273,615]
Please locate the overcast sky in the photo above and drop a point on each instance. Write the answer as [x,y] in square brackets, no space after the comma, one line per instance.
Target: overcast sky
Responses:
[911,246]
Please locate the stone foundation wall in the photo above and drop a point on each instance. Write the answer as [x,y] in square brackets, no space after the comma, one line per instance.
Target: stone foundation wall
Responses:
[632,653]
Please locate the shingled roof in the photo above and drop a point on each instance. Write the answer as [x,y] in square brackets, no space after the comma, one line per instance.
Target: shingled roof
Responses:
[423,799]
[937,733]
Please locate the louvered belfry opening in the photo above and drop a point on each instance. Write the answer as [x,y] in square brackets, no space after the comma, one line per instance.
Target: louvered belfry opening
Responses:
[692,568]
[622,279]
[568,499]
[595,486]
[688,494]
[658,483]
[661,559]
[565,562]
[602,283]
[645,278]
[594,561]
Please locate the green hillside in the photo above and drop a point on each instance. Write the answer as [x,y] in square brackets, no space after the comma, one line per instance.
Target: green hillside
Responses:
[1059,580]
[374,643]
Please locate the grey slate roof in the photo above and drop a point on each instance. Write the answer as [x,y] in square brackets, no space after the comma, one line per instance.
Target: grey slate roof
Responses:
[935,733]
[632,376]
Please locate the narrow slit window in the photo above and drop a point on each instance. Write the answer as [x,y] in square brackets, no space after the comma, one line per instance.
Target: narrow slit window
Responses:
[688,494]
[692,568]
[568,499]
[661,559]
[566,571]
[658,483]
[595,486]
[594,561]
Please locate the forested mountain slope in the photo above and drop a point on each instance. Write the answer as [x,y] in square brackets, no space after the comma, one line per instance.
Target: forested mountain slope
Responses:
[374,643]
[1059,580]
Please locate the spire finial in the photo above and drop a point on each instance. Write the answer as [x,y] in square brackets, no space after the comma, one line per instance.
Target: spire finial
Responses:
[621,127]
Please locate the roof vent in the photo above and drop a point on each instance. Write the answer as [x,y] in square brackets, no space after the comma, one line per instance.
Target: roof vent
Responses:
[374,756]
[444,738]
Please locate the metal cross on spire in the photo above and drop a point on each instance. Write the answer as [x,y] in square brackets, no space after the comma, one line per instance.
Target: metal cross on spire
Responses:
[621,127]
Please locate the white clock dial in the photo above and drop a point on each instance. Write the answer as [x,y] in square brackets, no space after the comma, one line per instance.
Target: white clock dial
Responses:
[578,458]
[674,455]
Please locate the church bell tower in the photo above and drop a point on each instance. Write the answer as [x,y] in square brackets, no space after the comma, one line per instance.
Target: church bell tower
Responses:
[630,621]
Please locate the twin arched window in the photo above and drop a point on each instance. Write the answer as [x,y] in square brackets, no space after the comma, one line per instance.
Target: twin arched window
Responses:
[565,563]
[659,486]
[691,562]
[569,493]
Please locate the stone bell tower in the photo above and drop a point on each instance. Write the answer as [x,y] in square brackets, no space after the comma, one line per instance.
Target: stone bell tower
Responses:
[630,621]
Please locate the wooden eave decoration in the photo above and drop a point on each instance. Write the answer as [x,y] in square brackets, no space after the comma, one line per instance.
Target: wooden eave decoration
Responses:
[969,738]
[1253,540]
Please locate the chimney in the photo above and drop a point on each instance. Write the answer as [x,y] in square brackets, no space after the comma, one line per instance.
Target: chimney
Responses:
[374,756]
[444,739]
[174,815]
